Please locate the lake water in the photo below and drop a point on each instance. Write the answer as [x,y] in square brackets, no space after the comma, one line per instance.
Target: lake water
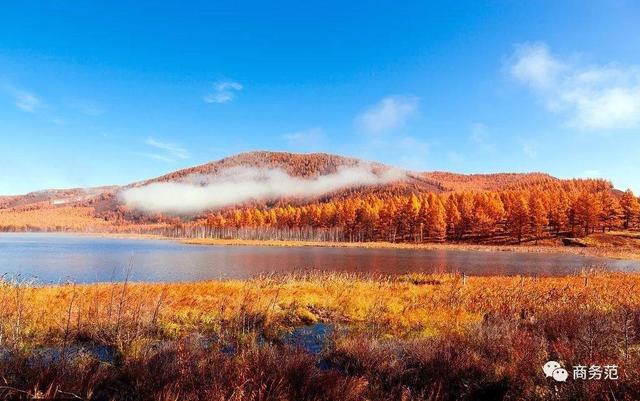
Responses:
[61,257]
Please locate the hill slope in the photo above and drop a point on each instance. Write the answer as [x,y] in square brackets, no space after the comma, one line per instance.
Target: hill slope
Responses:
[309,165]
[305,166]
[95,207]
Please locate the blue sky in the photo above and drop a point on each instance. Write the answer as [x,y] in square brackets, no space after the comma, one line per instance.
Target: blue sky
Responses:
[95,93]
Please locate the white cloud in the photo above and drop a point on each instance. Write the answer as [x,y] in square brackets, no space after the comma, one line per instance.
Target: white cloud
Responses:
[241,184]
[223,92]
[305,138]
[606,108]
[391,112]
[597,97]
[22,99]
[172,152]
[534,65]
[26,101]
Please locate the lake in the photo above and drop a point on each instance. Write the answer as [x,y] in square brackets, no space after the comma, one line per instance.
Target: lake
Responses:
[54,258]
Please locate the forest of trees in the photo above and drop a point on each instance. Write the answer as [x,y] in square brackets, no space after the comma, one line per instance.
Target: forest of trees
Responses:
[573,208]
[524,212]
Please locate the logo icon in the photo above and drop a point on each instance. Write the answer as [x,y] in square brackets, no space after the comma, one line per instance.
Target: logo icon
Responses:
[560,375]
[555,370]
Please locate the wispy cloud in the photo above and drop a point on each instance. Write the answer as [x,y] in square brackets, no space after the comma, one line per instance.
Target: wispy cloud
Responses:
[25,100]
[389,113]
[223,92]
[170,152]
[594,97]
[306,138]
[28,101]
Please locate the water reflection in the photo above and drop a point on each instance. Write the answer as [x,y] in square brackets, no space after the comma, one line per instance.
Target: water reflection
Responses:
[58,257]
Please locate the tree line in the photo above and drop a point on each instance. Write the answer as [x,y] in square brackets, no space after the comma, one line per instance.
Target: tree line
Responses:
[573,208]
[522,212]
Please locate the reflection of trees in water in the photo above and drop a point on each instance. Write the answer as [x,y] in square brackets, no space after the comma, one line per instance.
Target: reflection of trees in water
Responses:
[54,258]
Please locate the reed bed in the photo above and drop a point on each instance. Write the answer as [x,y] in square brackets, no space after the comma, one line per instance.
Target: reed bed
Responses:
[411,337]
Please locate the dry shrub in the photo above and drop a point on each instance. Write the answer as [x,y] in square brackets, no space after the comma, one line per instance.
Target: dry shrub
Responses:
[424,338]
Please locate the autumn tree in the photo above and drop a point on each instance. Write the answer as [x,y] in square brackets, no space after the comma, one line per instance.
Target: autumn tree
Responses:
[610,212]
[407,219]
[453,216]
[557,210]
[537,215]
[386,222]
[488,210]
[436,218]
[630,208]
[465,205]
[517,212]
[587,211]
[423,219]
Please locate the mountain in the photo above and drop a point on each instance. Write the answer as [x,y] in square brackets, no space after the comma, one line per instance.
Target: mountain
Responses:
[103,205]
[307,165]
[315,164]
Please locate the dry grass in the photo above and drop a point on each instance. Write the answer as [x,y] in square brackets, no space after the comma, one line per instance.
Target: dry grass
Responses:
[422,337]
[45,217]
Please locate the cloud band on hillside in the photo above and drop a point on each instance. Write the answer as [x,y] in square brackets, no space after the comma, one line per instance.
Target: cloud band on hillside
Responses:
[241,184]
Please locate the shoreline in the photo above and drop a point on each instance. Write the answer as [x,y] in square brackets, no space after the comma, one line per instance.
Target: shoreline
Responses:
[586,251]
[593,250]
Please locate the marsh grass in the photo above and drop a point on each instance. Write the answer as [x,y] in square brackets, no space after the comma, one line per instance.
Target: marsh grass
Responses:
[413,337]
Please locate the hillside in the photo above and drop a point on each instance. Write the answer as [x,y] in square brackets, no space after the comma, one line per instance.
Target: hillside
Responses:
[326,197]
[310,165]
[298,165]
[486,182]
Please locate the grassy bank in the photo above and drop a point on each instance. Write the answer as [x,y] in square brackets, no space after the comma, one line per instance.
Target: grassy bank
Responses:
[417,337]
